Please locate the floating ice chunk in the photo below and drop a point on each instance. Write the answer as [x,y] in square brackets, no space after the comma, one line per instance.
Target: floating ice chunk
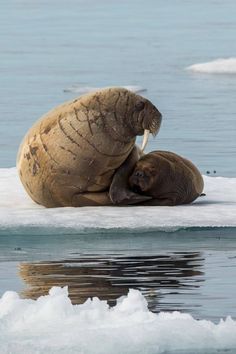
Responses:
[86,89]
[52,324]
[218,66]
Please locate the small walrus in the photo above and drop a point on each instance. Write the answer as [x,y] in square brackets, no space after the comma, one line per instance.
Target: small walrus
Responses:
[70,156]
[166,177]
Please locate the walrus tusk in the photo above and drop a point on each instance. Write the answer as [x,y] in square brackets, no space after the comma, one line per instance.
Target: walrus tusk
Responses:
[145,139]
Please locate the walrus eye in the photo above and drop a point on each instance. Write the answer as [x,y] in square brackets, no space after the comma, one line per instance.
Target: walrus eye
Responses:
[139,106]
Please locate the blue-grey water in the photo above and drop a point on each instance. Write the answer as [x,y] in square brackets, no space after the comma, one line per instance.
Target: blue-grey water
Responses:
[49,46]
[188,271]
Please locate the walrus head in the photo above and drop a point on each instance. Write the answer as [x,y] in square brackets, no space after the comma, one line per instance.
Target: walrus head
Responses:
[144,175]
[126,113]
[144,117]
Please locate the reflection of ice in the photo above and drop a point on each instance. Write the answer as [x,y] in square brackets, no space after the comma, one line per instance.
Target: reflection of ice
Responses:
[53,325]
[109,277]
[217,208]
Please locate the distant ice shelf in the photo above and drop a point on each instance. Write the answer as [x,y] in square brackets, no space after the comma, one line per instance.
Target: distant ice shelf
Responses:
[216,209]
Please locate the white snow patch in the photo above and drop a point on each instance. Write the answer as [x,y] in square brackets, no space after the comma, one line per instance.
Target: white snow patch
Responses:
[51,324]
[216,209]
[218,66]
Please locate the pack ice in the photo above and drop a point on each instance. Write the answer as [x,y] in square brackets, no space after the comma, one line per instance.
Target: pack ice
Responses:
[52,324]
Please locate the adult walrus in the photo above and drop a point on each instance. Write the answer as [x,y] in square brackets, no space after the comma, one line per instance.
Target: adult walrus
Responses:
[69,156]
[166,177]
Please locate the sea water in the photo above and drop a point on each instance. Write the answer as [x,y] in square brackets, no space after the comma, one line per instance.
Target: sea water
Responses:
[182,56]
[49,46]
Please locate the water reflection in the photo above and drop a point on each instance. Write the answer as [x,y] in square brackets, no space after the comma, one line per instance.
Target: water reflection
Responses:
[109,277]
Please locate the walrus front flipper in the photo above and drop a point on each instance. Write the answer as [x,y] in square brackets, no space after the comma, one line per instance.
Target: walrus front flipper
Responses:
[91,199]
[119,191]
[127,197]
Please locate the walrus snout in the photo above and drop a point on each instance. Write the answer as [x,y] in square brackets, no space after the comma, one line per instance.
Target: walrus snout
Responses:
[145,118]
[139,181]
[150,124]
[152,119]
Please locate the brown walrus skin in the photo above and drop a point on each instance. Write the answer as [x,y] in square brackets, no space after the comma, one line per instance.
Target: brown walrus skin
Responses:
[167,177]
[69,156]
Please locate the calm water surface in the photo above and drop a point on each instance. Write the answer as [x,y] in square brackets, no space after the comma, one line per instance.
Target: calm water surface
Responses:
[48,46]
[190,271]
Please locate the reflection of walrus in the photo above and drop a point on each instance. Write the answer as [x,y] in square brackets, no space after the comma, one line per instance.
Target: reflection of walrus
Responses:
[109,277]
[167,177]
[69,157]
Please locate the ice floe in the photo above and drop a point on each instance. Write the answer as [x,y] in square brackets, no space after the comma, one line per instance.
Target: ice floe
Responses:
[216,209]
[51,324]
[86,89]
[218,66]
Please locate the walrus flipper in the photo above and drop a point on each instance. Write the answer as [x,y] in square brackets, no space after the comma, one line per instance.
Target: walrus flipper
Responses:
[127,197]
[120,192]
[91,199]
